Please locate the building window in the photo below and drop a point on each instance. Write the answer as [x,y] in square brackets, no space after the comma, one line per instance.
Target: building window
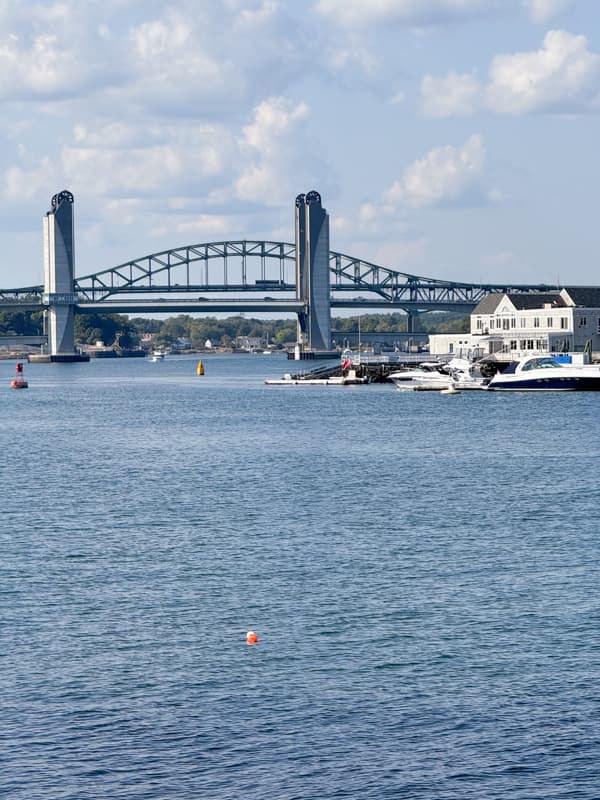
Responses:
[513,344]
[523,322]
[513,322]
[536,322]
[549,322]
[564,322]
[582,322]
[505,324]
[529,345]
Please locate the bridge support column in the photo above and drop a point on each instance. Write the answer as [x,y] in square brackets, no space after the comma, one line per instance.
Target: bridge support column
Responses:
[413,324]
[59,240]
[312,272]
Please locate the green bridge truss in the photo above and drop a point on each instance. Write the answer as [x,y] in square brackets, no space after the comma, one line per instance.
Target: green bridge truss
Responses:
[260,266]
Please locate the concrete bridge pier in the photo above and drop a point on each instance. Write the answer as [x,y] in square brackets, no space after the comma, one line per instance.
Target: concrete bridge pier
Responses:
[413,324]
[59,297]
[312,272]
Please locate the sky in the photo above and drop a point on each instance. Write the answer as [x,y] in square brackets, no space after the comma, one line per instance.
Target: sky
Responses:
[454,139]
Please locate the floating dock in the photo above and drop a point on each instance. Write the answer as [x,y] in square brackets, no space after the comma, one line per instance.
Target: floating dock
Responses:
[360,368]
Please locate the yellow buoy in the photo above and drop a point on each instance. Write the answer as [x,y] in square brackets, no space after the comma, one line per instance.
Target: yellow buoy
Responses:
[200,368]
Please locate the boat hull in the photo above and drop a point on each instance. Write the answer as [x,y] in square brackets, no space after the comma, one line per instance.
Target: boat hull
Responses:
[547,374]
[583,384]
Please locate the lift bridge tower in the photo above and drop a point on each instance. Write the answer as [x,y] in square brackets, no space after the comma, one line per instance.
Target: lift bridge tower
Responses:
[59,298]
[312,272]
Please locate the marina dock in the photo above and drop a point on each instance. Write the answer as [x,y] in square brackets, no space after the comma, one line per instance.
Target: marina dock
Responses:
[357,368]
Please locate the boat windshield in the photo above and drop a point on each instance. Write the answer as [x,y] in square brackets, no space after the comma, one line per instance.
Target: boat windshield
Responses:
[546,362]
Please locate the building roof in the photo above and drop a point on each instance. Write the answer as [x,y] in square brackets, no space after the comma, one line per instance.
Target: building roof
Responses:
[488,304]
[520,300]
[586,296]
[524,300]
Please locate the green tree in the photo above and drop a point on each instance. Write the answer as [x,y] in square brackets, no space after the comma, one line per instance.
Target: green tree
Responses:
[22,323]
[176,327]
[89,328]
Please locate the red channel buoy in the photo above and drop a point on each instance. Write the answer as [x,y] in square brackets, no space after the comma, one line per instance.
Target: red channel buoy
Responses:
[251,637]
[19,382]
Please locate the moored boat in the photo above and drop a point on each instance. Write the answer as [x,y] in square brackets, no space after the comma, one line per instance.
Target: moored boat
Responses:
[547,373]
[458,373]
[350,379]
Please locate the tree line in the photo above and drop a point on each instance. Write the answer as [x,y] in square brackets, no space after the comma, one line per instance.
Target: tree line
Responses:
[123,331]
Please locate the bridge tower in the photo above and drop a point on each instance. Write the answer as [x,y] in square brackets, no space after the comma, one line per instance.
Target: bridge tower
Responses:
[59,240]
[312,271]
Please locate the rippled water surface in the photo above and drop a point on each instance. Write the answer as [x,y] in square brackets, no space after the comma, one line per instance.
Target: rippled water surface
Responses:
[422,571]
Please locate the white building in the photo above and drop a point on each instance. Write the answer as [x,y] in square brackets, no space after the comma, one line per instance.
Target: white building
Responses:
[518,324]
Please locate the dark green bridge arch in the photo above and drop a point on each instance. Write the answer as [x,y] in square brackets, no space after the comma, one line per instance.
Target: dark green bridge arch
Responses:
[190,278]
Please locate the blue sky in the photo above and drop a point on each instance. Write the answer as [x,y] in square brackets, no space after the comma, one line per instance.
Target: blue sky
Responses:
[454,139]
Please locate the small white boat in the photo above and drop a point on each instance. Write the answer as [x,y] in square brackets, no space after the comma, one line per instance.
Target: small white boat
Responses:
[458,374]
[348,379]
[547,373]
[157,355]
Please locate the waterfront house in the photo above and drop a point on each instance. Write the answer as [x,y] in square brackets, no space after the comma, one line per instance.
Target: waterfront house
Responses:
[517,324]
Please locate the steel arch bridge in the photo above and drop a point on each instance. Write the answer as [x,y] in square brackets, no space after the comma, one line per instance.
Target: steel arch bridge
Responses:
[246,268]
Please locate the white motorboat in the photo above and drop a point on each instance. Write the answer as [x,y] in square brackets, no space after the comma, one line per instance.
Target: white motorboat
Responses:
[349,379]
[157,355]
[547,373]
[458,373]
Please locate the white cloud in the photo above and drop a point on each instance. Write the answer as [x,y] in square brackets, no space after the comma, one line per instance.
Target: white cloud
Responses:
[207,59]
[563,76]
[52,51]
[125,162]
[170,159]
[542,11]
[280,154]
[455,94]
[443,174]
[358,13]
[24,182]
[352,62]
[38,68]
[195,60]
[273,120]
[167,60]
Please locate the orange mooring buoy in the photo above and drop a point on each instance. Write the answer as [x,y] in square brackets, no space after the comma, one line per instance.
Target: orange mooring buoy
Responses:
[251,637]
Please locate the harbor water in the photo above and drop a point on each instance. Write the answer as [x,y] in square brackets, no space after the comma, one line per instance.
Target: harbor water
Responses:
[422,572]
